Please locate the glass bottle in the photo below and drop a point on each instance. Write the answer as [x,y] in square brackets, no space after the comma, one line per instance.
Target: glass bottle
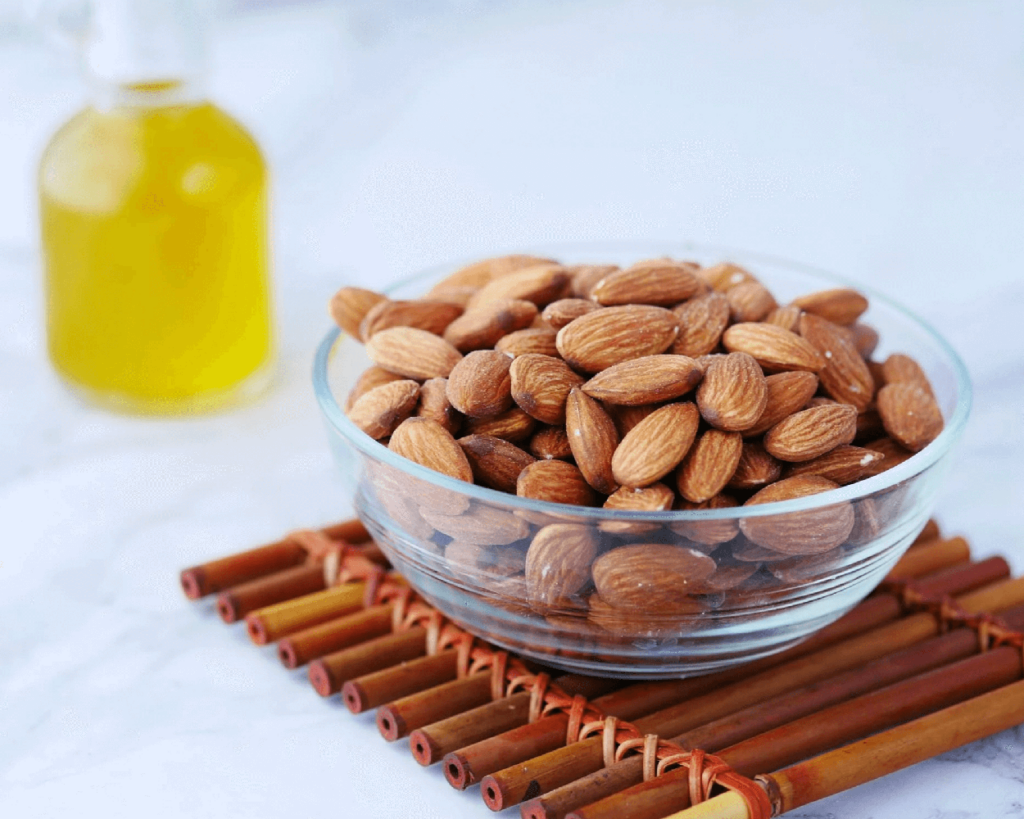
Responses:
[153,212]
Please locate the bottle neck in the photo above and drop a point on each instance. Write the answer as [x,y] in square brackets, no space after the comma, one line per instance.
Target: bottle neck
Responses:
[145,94]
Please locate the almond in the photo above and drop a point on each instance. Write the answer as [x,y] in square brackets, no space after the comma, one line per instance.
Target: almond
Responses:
[869,426]
[840,306]
[550,442]
[845,376]
[558,562]
[539,340]
[647,380]
[555,481]
[512,425]
[656,445]
[893,453]
[432,316]
[702,320]
[910,414]
[481,327]
[479,273]
[480,385]
[709,465]
[786,317]
[585,276]
[865,339]
[652,578]
[427,443]
[434,404]
[654,498]
[626,418]
[902,369]
[541,385]
[606,337]
[412,353]
[733,394]
[482,524]
[655,281]
[453,295]
[383,408]
[756,468]
[726,275]
[349,305]
[812,432]
[787,393]
[371,377]
[707,532]
[772,347]
[749,301]
[539,284]
[561,312]
[593,440]
[495,463]
[799,533]
[640,623]
[844,464]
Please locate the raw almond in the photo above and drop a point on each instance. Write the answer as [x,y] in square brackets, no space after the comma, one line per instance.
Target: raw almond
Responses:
[585,276]
[606,337]
[480,385]
[593,440]
[865,339]
[812,432]
[840,305]
[426,442]
[481,327]
[799,533]
[558,562]
[702,320]
[787,393]
[495,463]
[756,468]
[726,275]
[844,464]
[432,316]
[650,379]
[734,392]
[561,312]
[787,317]
[371,377]
[412,353]
[477,274]
[642,623]
[539,284]
[512,425]
[550,442]
[654,498]
[349,305]
[910,414]
[902,369]
[750,301]
[555,481]
[656,445]
[773,347]
[483,524]
[383,408]
[893,453]
[707,532]
[626,418]
[845,376]
[709,465]
[540,340]
[656,281]
[434,404]
[653,578]
[541,385]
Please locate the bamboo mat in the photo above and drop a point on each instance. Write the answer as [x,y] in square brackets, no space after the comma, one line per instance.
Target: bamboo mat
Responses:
[931,660]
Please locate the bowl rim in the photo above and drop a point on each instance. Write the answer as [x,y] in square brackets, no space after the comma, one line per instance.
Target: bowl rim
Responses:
[913,466]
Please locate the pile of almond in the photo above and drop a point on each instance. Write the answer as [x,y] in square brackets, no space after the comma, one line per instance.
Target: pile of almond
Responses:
[659,386]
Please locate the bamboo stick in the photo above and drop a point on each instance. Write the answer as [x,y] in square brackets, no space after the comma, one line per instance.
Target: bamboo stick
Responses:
[236,602]
[207,578]
[404,715]
[342,632]
[378,687]
[267,624]
[329,673]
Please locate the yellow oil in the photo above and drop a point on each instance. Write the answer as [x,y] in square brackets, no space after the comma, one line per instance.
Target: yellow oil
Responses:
[154,235]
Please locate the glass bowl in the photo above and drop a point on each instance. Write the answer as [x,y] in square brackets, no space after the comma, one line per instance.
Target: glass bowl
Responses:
[463,546]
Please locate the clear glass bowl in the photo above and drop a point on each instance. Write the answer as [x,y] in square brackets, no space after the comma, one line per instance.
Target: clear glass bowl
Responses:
[756,603]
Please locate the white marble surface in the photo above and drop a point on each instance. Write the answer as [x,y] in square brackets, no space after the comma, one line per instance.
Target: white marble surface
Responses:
[882,141]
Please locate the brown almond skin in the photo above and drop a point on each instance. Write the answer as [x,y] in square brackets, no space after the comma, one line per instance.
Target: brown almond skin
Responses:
[550,442]
[593,440]
[512,425]
[799,533]
[585,276]
[899,368]
[845,464]
[750,301]
[910,415]
[434,404]
[558,562]
[656,445]
[541,385]
[349,305]
[726,275]
[756,468]
[612,335]
[657,497]
[812,432]
[774,348]
[494,462]
[652,578]
[426,442]
[787,317]
[707,532]
[480,328]
[540,340]
[893,453]
[734,392]
[702,320]
[651,379]
[412,353]
[787,393]
[383,408]
[561,312]
[429,315]
[840,305]
[480,385]
[555,481]
[845,376]
[479,273]
[865,339]
[539,284]
[655,281]
[372,376]
[709,465]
